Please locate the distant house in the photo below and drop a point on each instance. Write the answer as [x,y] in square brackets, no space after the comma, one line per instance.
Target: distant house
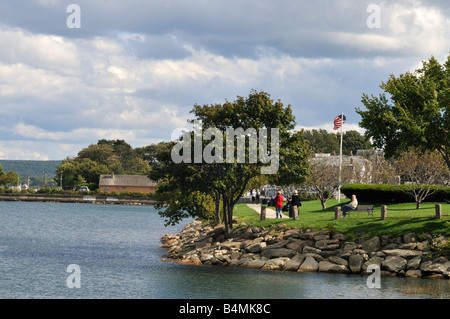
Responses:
[130,183]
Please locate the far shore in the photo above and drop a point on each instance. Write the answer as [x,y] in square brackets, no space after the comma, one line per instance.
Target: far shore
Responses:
[90,199]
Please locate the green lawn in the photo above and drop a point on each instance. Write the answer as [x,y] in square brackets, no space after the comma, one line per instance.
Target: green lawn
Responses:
[401,219]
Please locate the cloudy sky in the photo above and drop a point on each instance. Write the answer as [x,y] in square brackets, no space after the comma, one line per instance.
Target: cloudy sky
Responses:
[134,69]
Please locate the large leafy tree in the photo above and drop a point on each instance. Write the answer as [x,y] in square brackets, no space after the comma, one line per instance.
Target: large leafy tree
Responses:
[223,181]
[413,111]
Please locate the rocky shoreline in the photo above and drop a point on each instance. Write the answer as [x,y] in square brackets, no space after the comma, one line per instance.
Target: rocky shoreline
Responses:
[283,249]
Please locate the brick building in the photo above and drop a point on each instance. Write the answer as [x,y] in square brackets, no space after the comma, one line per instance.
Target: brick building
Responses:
[130,183]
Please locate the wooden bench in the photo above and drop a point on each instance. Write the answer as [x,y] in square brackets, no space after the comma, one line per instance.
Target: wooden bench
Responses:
[362,208]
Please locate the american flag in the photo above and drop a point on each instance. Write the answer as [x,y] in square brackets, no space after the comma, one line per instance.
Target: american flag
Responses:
[338,121]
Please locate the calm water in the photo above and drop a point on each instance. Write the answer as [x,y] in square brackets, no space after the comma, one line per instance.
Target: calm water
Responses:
[117,250]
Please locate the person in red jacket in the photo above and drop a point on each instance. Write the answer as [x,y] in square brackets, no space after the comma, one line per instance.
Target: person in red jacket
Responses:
[278,203]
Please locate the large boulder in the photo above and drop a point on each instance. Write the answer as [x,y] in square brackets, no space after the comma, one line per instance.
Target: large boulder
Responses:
[394,263]
[404,253]
[372,244]
[309,265]
[294,263]
[327,266]
[355,263]
[278,252]
[275,264]
[255,247]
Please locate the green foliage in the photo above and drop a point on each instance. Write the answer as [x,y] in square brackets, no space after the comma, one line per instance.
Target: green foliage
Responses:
[31,168]
[10,178]
[322,141]
[414,110]
[381,193]
[191,189]
[102,158]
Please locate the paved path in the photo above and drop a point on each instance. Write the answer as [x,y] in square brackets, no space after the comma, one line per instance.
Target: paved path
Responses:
[270,213]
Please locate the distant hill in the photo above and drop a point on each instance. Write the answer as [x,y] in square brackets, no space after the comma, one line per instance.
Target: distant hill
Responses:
[30,168]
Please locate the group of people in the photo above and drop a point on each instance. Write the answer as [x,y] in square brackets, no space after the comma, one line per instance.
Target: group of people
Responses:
[255,196]
[293,200]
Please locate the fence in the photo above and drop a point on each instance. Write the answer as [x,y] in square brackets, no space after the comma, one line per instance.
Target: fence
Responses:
[404,212]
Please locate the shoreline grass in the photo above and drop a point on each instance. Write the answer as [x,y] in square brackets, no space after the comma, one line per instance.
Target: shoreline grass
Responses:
[402,218]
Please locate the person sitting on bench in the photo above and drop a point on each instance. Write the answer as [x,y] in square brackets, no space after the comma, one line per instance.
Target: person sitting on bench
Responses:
[350,206]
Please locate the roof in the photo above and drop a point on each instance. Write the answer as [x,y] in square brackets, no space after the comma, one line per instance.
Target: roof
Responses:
[125,180]
[333,160]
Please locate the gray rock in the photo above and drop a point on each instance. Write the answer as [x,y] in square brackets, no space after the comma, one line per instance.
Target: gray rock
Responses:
[294,263]
[413,273]
[327,244]
[410,238]
[439,268]
[280,244]
[278,252]
[339,236]
[375,260]
[309,265]
[327,266]
[394,263]
[414,263]
[275,264]
[355,263]
[405,253]
[254,264]
[338,260]
[255,247]
[309,249]
[372,244]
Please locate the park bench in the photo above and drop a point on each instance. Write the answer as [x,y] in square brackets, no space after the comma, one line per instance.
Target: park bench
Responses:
[363,208]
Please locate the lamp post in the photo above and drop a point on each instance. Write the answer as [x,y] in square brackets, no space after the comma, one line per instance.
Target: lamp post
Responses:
[44,177]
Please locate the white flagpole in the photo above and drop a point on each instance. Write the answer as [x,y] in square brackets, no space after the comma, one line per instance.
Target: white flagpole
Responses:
[340,161]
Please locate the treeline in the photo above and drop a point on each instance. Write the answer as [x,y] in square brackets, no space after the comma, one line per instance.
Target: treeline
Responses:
[322,141]
[105,157]
[32,169]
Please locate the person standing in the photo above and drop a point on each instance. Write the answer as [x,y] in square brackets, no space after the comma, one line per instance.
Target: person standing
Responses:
[278,204]
[258,194]
[295,201]
[253,196]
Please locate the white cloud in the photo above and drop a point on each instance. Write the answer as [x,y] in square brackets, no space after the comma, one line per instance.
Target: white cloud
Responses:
[137,77]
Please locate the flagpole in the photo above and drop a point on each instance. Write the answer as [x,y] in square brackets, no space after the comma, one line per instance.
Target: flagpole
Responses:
[340,161]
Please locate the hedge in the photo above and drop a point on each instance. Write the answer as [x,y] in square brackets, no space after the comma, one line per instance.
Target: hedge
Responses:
[381,193]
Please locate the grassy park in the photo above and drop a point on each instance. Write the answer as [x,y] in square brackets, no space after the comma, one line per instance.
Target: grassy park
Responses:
[402,218]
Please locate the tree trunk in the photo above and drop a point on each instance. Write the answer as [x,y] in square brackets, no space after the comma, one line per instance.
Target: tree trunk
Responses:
[217,212]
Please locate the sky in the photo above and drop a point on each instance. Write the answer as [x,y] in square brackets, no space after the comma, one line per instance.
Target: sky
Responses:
[134,69]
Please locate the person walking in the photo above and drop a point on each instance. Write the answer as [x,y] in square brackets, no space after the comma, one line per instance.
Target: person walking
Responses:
[253,196]
[278,204]
[258,194]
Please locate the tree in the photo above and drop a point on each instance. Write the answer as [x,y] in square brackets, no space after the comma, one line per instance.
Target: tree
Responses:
[353,141]
[102,158]
[420,170]
[416,113]
[324,179]
[10,178]
[225,179]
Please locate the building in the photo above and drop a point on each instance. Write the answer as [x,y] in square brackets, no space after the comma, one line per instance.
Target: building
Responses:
[129,183]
